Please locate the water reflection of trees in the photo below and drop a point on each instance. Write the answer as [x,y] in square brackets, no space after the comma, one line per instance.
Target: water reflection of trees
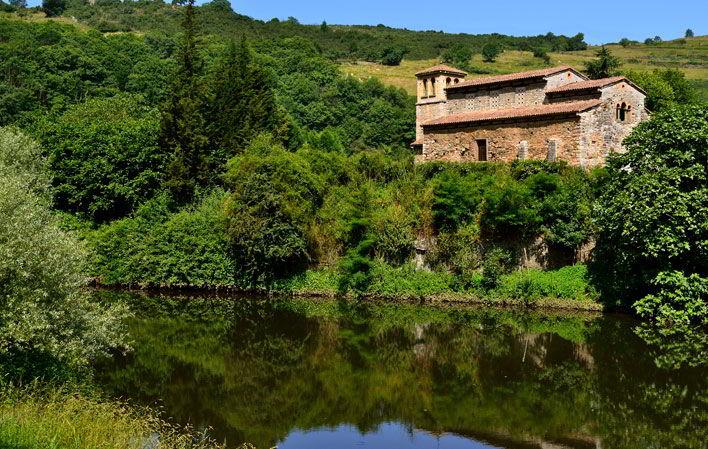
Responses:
[256,370]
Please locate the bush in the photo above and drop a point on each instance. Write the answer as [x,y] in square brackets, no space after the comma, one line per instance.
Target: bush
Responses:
[407,281]
[495,263]
[392,56]
[679,302]
[653,215]
[104,156]
[490,52]
[275,194]
[533,284]
[189,248]
[42,307]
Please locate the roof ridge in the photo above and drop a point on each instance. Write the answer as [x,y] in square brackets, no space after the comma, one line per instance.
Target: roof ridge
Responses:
[493,79]
[440,68]
[590,84]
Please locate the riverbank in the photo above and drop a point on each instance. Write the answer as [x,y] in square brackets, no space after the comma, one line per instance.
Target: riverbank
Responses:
[41,417]
[564,289]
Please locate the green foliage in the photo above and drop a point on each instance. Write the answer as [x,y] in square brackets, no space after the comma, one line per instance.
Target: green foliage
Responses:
[189,248]
[458,55]
[460,253]
[407,281]
[664,88]
[542,54]
[242,102]
[183,125]
[39,417]
[104,156]
[689,33]
[604,65]
[491,51]
[45,317]
[274,196]
[532,284]
[653,215]
[496,262]
[679,302]
[393,55]
[340,42]
[53,8]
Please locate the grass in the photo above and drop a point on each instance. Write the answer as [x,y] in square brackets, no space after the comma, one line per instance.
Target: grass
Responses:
[55,418]
[688,55]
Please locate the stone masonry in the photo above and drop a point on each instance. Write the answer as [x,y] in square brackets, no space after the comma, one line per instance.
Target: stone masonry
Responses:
[551,114]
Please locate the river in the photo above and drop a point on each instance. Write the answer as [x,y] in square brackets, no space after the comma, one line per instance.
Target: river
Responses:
[312,373]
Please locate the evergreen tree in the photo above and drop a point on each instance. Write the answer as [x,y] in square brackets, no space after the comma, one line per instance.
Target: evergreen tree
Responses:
[689,33]
[19,3]
[243,104]
[604,65]
[182,130]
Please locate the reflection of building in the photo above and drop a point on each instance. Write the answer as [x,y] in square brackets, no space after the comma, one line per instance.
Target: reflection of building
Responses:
[552,114]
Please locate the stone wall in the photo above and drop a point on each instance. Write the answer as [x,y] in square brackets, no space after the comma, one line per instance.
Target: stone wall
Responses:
[497,98]
[504,141]
[601,132]
[521,94]
[562,78]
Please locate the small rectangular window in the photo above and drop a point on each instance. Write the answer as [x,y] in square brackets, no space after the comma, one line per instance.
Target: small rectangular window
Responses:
[552,149]
[481,149]
[523,150]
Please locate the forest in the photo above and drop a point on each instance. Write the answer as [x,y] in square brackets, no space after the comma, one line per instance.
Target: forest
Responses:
[164,146]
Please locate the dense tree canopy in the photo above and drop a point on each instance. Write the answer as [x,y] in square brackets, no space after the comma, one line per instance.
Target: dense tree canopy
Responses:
[653,214]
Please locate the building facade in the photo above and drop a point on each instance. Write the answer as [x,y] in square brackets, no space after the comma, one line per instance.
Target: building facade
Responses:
[553,114]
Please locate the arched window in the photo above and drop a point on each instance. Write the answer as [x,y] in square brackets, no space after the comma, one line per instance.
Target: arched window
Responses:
[432,87]
[457,80]
[622,112]
[425,88]
[448,81]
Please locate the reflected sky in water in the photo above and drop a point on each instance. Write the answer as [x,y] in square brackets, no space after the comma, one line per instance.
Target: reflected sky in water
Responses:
[387,436]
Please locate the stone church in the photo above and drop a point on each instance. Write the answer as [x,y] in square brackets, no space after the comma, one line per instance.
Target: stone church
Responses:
[553,114]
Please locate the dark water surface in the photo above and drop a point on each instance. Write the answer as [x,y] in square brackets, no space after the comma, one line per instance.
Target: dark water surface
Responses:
[316,374]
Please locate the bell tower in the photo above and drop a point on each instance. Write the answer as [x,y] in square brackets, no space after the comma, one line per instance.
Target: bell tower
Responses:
[431,96]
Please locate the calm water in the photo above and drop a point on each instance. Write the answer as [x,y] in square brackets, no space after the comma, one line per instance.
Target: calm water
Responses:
[318,374]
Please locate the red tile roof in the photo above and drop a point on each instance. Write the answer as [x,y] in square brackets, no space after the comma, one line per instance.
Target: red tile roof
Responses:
[514,113]
[498,79]
[590,85]
[441,68]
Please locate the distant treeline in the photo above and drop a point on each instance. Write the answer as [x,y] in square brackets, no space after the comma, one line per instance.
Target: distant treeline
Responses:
[369,43]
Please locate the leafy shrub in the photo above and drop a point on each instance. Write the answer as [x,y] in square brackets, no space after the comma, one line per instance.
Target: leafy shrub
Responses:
[407,281]
[491,51]
[42,307]
[679,302]
[104,156]
[531,284]
[460,252]
[160,248]
[392,56]
[495,263]
[275,194]
[653,215]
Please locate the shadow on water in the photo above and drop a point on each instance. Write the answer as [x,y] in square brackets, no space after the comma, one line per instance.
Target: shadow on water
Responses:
[321,374]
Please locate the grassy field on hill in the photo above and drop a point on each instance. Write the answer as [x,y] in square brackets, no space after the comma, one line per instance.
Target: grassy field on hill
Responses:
[688,55]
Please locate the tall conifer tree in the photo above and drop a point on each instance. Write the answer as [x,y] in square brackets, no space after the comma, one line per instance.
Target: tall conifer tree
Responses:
[243,101]
[182,130]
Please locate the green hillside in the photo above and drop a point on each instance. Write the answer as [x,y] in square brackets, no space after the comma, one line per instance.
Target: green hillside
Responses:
[690,56]
[335,41]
